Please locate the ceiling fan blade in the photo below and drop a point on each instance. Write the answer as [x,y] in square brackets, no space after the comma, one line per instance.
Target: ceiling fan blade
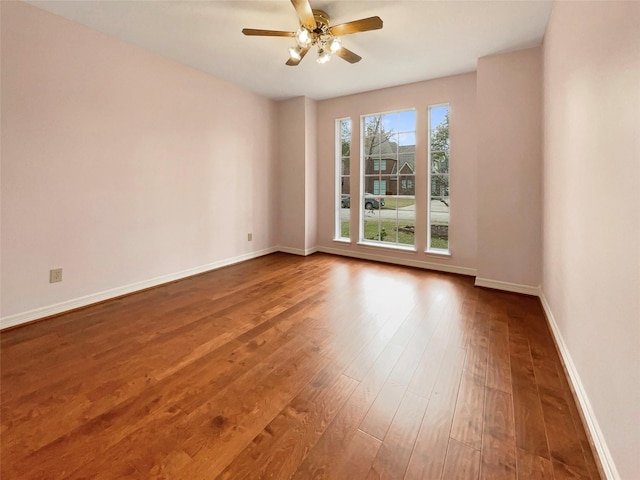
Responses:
[267,33]
[348,55]
[303,9]
[292,62]
[362,25]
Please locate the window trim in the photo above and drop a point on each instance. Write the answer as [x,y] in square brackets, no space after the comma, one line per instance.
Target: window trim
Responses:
[361,213]
[429,250]
[337,199]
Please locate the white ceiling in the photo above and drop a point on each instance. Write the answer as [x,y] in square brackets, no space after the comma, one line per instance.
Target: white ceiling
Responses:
[420,40]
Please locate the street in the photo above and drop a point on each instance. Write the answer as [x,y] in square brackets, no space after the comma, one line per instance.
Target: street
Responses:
[439,213]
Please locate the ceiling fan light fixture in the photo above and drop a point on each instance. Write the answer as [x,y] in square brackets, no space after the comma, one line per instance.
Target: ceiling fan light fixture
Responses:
[323,56]
[316,32]
[335,44]
[295,53]
[303,37]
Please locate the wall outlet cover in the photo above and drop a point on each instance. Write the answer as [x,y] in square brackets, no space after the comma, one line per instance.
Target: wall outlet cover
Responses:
[55,275]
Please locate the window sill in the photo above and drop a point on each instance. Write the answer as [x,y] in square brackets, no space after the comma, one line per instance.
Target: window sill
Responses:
[401,248]
[438,253]
[342,240]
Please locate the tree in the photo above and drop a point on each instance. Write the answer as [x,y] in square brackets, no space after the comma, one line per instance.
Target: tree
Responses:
[440,159]
[440,147]
[345,140]
[345,135]
[375,134]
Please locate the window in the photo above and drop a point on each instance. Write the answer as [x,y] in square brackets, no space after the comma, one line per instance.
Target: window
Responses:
[379,187]
[343,179]
[387,180]
[438,211]
[406,184]
[379,165]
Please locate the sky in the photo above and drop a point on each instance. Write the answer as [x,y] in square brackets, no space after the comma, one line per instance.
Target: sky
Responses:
[437,115]
[404,123]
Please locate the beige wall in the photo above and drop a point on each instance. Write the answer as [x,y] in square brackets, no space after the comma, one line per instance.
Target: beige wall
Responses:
[459,92]
[311,167]
[591,220]
[297,173]
[120,166]
[509,92]
[292,128]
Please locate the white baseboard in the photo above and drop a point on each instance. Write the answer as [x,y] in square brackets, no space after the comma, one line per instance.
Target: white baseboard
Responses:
[296,251]
[602,450]
[507,287]
[408,262]
[42,312]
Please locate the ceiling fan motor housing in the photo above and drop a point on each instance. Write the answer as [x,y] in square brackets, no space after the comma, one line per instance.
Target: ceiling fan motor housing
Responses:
[322,21]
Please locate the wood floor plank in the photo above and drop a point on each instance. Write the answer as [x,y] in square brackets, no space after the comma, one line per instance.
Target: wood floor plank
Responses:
[468,418]
[478,349]
[370,352]
[462,462]
[381,413]
[562,435]
[593,467]
[331,447]
[498,438]
[292,367]
[282,445]
[356,459]
[499,369]
[533,467]
[426,371]
[566,472]
[393,456]
[563,442]
[428,456]
[529,420]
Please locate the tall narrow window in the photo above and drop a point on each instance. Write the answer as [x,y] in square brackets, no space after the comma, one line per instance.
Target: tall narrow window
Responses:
[343,179]
[438,211]
[388,153]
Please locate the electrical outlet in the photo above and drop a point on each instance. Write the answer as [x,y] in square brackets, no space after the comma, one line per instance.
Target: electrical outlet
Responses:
[55,275]
[249,237]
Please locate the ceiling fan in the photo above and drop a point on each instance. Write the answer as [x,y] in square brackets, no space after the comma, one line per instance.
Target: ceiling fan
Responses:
[315,30]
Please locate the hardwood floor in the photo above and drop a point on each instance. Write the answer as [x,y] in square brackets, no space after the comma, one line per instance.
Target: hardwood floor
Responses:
[288,367]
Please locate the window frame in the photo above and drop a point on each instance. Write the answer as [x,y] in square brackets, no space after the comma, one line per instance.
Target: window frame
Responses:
[337,234]
[429,249]
[362,176]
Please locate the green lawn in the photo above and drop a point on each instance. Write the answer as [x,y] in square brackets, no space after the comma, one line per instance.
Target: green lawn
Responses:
[388,230]
[344,227]
[440,243]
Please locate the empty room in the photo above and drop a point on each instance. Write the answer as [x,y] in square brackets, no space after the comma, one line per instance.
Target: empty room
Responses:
[319,239]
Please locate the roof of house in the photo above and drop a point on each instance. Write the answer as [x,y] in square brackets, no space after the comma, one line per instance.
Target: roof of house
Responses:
[403,155]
